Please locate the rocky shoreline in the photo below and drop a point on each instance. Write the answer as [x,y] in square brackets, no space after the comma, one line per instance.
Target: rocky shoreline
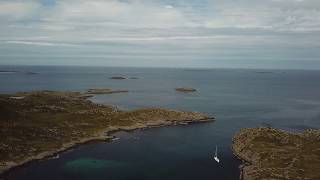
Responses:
[91,122]
[104,136]
[269,153]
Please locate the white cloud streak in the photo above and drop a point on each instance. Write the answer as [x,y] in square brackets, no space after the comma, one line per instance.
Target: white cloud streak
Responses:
[38,43]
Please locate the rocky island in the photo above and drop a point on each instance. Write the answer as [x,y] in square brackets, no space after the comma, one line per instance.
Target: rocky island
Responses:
[270,153]
[35,125]
[118,78]
[16,72]
[186,89]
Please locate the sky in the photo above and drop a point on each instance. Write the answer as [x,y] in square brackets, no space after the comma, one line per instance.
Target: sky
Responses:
[281,34]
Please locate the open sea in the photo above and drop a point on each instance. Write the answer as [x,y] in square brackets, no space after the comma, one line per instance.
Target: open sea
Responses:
[238,98]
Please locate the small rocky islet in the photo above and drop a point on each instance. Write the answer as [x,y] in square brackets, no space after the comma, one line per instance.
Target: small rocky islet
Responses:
[122,77]
[35,125]
[185,89]
[118,77]
[270,153]
[17,72]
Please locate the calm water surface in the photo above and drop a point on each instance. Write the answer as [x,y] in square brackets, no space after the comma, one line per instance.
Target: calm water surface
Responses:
[286,99]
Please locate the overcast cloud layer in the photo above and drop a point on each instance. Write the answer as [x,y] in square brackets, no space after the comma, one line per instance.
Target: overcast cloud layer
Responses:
[185,33]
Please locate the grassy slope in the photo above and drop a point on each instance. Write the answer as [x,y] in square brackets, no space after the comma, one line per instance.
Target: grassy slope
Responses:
[276,154]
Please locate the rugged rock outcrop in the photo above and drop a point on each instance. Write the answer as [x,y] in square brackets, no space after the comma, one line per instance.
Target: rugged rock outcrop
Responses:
[186,89]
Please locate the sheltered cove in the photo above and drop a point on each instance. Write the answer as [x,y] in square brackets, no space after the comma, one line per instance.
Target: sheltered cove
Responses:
[35,125]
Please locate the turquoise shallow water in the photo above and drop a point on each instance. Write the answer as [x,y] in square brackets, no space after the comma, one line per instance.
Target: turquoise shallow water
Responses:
[238,98]
[87,165]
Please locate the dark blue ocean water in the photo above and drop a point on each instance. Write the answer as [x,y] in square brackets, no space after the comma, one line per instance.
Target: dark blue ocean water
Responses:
[238,98]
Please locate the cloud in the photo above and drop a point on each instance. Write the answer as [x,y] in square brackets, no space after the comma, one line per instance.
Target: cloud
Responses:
[280,15]
[291,26]
[168,6]
[114,13]
[16,10]
[39,43]
[64,15]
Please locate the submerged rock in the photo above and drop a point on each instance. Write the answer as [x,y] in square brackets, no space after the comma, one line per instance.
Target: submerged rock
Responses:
[133,78]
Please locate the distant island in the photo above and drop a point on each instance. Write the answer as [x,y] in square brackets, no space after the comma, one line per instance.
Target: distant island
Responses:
[264,72]
[8,71]
[270,153]
[35,125]
[118,77]
[122,77]
[185,89]
[15,72]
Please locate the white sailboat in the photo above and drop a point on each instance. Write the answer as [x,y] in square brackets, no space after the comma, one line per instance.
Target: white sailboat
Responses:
[216,155]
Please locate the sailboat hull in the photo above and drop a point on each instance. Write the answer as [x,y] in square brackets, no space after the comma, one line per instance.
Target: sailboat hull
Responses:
[216,159]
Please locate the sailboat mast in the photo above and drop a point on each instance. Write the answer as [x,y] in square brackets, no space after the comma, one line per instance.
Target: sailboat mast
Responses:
[216,153]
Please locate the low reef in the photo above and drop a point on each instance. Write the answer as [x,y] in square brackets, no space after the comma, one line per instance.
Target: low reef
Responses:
[270,153]
[133,78]
[105,91]
[185,89]
[35,125]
